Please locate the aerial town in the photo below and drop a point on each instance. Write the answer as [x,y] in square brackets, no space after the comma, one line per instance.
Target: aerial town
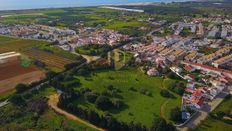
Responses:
[193,54]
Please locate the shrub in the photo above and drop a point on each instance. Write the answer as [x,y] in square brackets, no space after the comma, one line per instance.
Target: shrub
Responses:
[118,104]
[91,97]
[103,103]
[20,88]
[176,114]
[145,92]
[165,93]
[159,124]
[17,99]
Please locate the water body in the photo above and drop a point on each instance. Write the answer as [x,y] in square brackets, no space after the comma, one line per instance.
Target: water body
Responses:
[36,4]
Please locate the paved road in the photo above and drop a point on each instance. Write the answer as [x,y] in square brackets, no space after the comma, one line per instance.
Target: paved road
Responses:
[203,113]
[54,99]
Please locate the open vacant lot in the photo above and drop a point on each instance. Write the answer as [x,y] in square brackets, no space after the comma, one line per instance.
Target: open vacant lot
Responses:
[13,73]
[138,107]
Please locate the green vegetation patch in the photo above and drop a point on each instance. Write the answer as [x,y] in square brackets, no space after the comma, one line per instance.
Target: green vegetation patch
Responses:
[140,93]
[25,61]
[93,50]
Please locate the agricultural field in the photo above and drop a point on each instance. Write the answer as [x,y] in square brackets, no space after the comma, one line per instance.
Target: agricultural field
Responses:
[54,57]
[13,73]
[130,83]
[127,23]
[8,44]
[52,61]
[219,124]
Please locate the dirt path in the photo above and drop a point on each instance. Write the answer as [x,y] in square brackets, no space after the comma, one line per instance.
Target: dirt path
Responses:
[162,109]
[53,100]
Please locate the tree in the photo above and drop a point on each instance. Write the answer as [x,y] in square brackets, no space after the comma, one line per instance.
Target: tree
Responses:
[176,114]
[103,103]
[118,104]
[50,74]
[39,63]
[180,90]
[91,97]
[93,117]
[159,124]
[70,66]
[20,88]
[172,75]
[17,99]
[220,114]
[83,71]
[165,93]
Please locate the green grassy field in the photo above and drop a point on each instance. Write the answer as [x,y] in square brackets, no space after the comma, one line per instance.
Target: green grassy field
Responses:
[139,107]
[214,124]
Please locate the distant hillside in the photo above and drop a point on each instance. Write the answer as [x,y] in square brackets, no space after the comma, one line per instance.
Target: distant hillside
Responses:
[216,0]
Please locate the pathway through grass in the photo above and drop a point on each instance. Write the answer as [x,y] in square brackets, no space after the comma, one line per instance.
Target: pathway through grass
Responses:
[53,100]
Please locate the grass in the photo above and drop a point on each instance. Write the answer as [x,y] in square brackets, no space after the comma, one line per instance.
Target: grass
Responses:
[119,25]
[214,124]
[58,122]
[139,108]
[49,120]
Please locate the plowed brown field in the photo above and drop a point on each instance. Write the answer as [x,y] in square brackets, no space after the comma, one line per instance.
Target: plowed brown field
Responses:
[13,73]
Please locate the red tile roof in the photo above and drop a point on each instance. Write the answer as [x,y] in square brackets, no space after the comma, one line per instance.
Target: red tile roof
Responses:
[192,76]
[209,67]
[191,82]
[199,102]
[188,68]
[189,90]
[197,93]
